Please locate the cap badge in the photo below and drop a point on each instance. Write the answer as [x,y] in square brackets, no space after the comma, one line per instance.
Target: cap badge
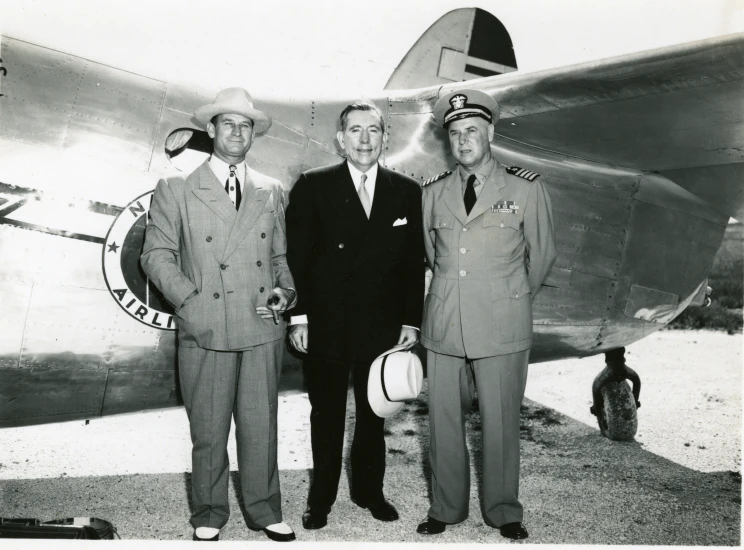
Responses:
[458,101]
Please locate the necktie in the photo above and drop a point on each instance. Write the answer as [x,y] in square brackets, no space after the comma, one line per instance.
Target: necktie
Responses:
[364,196]
[233,184]
[470,197]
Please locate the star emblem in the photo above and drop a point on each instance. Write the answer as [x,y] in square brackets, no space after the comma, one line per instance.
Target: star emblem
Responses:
[113,247]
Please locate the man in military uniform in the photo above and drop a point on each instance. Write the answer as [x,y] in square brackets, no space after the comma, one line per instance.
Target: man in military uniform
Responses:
[488,235]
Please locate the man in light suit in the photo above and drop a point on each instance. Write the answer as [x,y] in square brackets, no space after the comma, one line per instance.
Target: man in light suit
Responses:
[355,248]
[215,247]
[488,234]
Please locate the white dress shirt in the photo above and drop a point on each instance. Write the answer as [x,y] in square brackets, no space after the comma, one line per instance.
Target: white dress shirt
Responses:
[356,177]
[222,170]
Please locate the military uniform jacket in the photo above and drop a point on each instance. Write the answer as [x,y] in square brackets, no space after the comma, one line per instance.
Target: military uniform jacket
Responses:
[487,265]
[196,240]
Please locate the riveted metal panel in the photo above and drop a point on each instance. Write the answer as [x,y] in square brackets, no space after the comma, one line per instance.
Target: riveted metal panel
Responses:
[36,396]
[129,391]
[115,116]
[39,91]
[650,304]
[36,256]
[80,328]
[580,302]
[415,145]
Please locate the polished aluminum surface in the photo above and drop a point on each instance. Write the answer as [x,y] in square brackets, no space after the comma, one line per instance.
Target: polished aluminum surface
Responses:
[79,141]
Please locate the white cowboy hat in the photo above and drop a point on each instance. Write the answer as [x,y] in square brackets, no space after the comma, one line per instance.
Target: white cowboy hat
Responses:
[394,377]
[234,101]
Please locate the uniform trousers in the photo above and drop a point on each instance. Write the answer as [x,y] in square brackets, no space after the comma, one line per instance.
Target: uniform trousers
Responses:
[218,385]
[500,383]
[328,385]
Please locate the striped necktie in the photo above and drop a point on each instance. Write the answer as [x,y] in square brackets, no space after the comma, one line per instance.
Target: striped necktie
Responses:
[233,185]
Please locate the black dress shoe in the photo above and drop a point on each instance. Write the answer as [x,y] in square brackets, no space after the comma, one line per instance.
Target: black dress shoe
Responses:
[279,537]
[213,539]
[314,519]
[381,509]
[431,526]
[514,531]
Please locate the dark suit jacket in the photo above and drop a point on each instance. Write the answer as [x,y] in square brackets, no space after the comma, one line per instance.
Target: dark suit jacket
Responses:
[357,280]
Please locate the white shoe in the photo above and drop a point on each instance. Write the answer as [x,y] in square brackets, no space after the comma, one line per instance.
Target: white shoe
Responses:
[279,532]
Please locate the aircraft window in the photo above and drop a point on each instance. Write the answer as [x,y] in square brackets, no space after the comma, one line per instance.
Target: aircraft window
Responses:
[188,148]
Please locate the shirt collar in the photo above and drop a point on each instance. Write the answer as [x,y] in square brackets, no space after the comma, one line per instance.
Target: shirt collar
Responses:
[356,175]
[481,175]
[222,170]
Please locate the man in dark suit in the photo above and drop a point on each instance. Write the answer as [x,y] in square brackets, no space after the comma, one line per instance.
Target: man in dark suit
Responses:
[355,249]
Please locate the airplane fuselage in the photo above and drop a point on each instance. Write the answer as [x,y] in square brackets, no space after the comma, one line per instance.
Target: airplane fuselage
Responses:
[82,146]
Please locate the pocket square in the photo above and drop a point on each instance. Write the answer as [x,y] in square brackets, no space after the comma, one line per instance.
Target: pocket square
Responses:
[400,221]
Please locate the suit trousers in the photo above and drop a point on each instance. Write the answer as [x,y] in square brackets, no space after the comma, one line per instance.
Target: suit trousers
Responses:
[328,385]
[218,385]
[500,382]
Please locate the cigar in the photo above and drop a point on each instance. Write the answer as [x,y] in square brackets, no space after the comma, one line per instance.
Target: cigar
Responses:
[274,299]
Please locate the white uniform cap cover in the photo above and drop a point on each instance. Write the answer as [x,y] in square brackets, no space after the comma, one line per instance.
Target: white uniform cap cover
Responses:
[463,104]
[394,377]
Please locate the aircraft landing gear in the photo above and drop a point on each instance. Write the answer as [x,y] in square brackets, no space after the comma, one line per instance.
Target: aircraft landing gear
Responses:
[614,405]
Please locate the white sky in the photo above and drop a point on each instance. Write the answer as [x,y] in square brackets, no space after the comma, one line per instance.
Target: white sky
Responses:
[316,48]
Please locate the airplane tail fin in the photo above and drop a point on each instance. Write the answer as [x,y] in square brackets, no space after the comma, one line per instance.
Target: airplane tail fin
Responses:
[463,44]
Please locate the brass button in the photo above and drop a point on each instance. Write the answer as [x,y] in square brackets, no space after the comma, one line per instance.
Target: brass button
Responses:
[261,289]
[263,235]
[258,263]
[464,228]
[341,245]
[216,295]
[502,225]
[463,251]
[209,239]
[223,267]
[463,273]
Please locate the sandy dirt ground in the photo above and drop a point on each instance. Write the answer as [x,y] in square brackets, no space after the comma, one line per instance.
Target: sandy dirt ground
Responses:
[679,483]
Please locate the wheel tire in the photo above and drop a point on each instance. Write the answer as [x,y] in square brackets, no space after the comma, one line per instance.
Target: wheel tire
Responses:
[618,419]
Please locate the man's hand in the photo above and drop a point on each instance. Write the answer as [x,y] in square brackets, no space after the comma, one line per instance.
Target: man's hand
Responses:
[409,337]
[298,337]
[278,303]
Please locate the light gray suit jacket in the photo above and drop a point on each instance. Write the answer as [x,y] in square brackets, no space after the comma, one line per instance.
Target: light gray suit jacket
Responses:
[196,240]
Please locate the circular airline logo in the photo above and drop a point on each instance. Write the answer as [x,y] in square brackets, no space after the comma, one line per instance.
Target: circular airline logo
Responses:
[124,276]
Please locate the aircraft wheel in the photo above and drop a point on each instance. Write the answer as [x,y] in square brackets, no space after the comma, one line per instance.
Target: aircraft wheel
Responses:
[618,416]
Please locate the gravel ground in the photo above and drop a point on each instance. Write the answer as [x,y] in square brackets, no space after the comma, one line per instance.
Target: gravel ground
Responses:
[678,484]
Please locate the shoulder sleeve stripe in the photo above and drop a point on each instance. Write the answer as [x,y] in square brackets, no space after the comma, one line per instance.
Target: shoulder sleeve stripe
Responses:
[522,173]
[437,177]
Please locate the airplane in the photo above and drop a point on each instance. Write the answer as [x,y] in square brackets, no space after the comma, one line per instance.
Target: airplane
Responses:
[642,155]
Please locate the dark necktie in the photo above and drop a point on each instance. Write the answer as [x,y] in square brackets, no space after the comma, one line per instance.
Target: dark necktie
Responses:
[233,183]
[470,197]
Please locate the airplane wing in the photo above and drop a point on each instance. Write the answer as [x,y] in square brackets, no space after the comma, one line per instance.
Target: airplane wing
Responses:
[678,111]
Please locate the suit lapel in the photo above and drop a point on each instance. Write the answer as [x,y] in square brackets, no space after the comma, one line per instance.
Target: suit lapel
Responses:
[453,197]
[490,194]
[212,193]
[345,186]
[383,203]
[255,196]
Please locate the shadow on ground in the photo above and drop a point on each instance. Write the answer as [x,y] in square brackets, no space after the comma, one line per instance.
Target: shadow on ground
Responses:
[577,488]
